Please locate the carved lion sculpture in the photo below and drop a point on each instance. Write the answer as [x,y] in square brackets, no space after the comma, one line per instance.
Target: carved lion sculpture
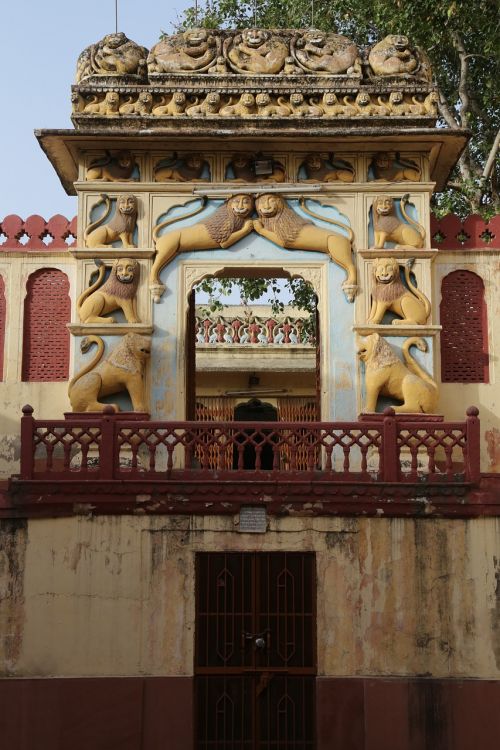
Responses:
[121,370]
[117,293]
[319,168]
[300,108]
[208,108]
[243,166]
[394,168]
[221,229]
[245,107]
[174,107]
[366,108]
[121,227]
[390,294]
[386,375]
[387,227]
[109,168]
[395,56]
[267,106]
[108,107]
[325,54]
[141,105]
[256,51]
[187,169]
[115,54]
[191,51]
[280,224]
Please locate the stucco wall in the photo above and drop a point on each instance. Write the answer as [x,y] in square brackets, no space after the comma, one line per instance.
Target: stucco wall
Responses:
[114,595]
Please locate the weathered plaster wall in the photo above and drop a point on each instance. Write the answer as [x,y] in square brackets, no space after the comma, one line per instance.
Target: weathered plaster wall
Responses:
[48,399]
[115,595]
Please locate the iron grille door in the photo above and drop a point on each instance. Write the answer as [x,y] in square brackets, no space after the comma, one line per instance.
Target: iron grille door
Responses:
[255,655]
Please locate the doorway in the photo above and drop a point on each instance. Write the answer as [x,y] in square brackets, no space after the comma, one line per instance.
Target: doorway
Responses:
[255,652]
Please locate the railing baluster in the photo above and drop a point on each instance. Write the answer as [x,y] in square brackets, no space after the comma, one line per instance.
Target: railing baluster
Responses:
[473,447]
[27,442]
[390,460]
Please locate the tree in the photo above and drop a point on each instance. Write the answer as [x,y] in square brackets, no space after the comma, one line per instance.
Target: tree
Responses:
[463,42]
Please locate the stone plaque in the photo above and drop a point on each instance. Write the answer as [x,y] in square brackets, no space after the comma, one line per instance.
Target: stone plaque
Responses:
[253,520]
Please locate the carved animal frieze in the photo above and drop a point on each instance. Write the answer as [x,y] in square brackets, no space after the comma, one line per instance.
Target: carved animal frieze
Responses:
[114,55]
[223,228]
[243,167]
[244,107]
[171,106]
[325,53]
[282,225]
[137,105]
[121,371]
[121,226]
[187,168]
[389,294]
[388,227]
[191,51]
[118,292]
[325,168]
[387,375]
[256,51]
[106,105]
[393,167]
[395,56]
[118,167]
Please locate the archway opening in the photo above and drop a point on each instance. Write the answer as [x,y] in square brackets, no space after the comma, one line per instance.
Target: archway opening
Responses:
[253,337]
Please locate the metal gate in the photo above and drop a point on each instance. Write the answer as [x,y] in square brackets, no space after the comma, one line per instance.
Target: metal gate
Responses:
[255,656]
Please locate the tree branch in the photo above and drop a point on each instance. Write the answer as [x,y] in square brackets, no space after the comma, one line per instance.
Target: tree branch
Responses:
[446,112]
[490,162]
[463,88]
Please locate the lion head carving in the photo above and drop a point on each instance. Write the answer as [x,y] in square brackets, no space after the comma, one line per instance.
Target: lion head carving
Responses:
[387,284]
[229,217]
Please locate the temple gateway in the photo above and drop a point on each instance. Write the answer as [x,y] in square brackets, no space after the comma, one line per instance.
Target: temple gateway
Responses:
[247,528]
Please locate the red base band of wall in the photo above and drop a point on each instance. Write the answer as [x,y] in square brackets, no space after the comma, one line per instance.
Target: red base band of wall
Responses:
[156,713]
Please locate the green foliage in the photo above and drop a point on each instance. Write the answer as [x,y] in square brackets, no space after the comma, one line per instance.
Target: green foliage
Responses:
[463,43]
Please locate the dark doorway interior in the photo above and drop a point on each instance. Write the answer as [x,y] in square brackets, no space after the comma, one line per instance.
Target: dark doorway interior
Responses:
[255,657]
[253,411]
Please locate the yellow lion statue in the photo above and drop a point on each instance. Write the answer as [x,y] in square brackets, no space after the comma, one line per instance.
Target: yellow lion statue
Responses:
[388,227]
[390,294]
[117,293]
[121,370]
[386,375]
[121,227]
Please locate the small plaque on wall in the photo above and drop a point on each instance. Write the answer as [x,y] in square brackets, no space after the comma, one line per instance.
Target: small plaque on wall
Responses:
[253,520]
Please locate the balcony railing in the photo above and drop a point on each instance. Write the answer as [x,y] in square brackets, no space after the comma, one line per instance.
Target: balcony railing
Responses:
[385,448]
[256,330]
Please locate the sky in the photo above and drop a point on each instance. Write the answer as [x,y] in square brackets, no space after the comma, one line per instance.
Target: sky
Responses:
[39,46]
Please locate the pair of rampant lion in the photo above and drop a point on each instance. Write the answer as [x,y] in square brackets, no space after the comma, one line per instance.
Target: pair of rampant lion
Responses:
[276,222]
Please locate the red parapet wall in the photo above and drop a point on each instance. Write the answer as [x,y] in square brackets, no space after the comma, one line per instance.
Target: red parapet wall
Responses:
[36,233]
[473,233]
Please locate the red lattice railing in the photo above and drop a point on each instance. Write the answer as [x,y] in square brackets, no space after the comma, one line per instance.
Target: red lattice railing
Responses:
[35,233]
[473,233]
[384,448]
